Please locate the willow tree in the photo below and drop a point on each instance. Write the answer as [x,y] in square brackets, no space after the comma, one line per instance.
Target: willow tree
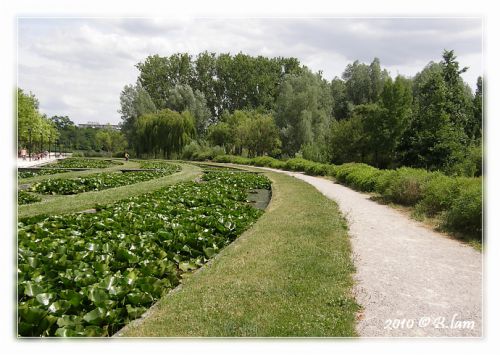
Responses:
[165,131]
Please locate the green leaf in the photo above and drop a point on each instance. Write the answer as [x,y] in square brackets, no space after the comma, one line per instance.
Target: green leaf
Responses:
[139,298]
[59,307]
[95,316]
[69,321]
[65,332]
[98,295]
[44,298]
[209,252]
[135,312]
[31,289]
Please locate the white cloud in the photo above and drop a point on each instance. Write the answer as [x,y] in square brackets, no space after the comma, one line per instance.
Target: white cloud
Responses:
[77,67]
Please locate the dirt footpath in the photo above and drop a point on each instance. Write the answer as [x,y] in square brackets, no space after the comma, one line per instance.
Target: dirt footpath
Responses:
[411,281]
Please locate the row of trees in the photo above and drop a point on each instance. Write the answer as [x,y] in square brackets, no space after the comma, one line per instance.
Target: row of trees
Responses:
[59,132]
[33,128]
[275,106]
[87,138]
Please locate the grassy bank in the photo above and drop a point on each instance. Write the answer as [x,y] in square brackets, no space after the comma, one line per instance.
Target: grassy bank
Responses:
[289,275]
[454,202]
[80,202]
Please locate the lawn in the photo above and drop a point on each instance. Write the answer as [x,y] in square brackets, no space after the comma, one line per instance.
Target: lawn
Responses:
[290,275]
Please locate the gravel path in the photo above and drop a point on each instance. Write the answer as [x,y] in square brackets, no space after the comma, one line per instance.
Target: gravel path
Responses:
[406,271]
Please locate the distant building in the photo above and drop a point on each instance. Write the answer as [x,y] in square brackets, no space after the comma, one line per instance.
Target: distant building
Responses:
[99,125]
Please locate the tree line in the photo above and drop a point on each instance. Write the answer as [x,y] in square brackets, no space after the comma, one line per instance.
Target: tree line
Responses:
[276,106]
[36,132]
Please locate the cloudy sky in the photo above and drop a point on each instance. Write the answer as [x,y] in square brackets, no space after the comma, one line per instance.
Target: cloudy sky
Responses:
[77,67]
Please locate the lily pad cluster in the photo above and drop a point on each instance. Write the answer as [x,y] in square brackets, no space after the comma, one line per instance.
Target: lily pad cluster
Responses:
[238,179]
[99,181]
[38,172]
[89,274]
[24,198]
[85,163]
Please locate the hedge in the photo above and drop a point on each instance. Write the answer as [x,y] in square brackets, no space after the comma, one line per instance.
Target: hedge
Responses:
[457,200]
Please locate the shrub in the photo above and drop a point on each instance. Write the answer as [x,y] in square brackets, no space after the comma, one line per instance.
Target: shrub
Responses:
[200,152]
[317,169]
[358,175]
[438,194]
[297,164]
[268,161]
[465,213]
[224,159]
[404,185]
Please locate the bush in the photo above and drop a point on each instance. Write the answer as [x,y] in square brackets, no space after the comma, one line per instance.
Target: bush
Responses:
[404,185]
[91,154]
[438,194]
[234,159]
[465,213]
[358,175]
[268,161]
[200,152]
[297,164]
[318,169]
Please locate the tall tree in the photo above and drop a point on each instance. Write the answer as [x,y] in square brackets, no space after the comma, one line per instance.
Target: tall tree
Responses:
[183,98]
[433,139]
[135,101]
[303,110]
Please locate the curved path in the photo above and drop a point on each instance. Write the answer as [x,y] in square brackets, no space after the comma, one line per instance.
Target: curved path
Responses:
[411,281]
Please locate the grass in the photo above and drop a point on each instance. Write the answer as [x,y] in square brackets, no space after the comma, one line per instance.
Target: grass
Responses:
[289,275]
[82,201]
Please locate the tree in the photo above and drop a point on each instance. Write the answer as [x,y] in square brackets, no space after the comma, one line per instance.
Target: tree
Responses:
[459,98]
[103,139]
[220,134]
[385,121]
[29,119]
[347,141]
[432,140]
[135,101]
[165,131]
[303,110]
[341,108]
[474,129]
[263,136]
[183,98]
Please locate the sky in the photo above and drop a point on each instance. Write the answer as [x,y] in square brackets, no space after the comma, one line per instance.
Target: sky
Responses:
[78,66]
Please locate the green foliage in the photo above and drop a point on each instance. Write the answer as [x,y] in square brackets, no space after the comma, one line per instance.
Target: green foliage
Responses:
[166,131]
[466,210]
[38,172]
[110,140]
[227,82]
[29,118]
[235,159]
[200,151]
[269,162]
[89,274]
[458,200]
[84,163]
[304,106]
[102,181]
[182,98]
[347,141]
[438,194]
[360,176]
[242,180]
[24,198]
[405,186]
[246,130]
